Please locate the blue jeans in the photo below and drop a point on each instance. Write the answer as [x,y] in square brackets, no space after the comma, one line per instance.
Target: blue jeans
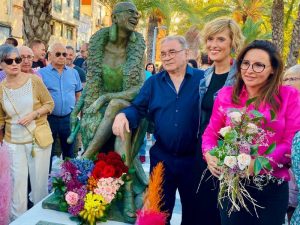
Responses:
[61,126]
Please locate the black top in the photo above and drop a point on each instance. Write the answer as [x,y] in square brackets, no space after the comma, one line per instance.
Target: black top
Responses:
[38,64]
[81,73]
[216,83]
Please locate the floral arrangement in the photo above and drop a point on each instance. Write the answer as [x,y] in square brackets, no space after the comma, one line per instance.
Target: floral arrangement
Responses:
[243,141]
[151,212]
[87,188]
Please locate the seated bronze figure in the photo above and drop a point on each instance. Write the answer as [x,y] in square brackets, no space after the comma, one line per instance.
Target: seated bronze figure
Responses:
[115,75]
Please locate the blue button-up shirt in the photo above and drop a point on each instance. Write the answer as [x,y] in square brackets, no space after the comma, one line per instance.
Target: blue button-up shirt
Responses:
[175,115]
[62,88]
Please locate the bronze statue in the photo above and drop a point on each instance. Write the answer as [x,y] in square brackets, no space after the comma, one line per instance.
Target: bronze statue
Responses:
[115,75]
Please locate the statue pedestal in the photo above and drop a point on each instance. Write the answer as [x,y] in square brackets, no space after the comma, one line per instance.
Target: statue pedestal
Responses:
[115,212]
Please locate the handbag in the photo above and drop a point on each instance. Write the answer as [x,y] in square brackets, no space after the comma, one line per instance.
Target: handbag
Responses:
[42,135]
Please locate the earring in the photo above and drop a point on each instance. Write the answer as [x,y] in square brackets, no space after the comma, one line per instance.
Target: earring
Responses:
[113,32]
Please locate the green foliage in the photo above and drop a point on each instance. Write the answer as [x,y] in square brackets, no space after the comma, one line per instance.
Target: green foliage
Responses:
[254,30]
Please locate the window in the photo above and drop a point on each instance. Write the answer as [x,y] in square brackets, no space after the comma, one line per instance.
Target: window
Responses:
[69,3]
[69,33]
[61,30]
[52,30]
[58,5]
[76,13]
[5,32]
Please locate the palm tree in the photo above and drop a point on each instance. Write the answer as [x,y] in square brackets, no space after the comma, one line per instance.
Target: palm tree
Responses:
[277,17]
[36,20]
[295,42]
[160,12]
[253,30]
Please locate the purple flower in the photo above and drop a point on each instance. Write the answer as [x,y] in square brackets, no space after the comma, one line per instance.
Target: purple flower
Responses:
[75,209]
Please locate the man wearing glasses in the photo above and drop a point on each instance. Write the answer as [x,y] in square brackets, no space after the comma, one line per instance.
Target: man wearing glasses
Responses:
[65,87]
[170,100]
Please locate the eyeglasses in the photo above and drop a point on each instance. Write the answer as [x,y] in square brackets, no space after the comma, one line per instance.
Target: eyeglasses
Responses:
[58,54]
[171,54]
[130,11]
[29,57]
[291,79]
[257,67]
[9,61]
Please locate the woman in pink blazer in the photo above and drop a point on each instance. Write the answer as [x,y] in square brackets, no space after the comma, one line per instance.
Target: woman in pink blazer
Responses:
[259,75]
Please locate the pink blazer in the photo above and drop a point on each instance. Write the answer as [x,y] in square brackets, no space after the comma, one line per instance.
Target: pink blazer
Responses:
[286,124]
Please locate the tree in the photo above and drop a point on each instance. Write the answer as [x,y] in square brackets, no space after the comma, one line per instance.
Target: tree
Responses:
[159,12]
[295,42]
[252,31]
[277,17]
[36,20]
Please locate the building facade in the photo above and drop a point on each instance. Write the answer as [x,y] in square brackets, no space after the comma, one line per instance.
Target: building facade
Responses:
[11,20]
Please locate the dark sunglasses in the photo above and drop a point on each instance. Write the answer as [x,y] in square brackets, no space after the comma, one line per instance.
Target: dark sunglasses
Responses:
[58,54]
[9,61]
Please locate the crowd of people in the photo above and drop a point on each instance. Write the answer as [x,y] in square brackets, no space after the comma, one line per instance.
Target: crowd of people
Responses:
[182,102]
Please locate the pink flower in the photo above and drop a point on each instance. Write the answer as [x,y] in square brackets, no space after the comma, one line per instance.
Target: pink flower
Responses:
[71,198]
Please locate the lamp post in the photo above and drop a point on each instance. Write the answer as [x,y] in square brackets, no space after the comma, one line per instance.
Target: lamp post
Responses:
[154,41]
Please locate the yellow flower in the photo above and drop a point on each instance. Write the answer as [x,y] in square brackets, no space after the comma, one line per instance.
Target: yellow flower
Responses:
[94,208]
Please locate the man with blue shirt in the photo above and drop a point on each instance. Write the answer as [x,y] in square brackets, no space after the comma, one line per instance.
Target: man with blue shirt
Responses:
[171,100]
[65,87]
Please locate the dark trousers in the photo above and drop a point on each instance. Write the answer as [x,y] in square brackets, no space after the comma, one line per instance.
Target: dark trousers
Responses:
[60,126]
[184,173]
[274,200]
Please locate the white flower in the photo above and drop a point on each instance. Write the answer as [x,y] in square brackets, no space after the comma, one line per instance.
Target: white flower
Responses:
[252,128]
[230,161]
[223,131]
[236,117]
[244,160]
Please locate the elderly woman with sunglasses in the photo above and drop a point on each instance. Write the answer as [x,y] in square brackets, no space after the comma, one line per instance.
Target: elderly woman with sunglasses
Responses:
[259,74]
[24,105]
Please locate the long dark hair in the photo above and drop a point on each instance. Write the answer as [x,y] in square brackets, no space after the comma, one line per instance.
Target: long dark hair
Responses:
[269,93]
[154,71]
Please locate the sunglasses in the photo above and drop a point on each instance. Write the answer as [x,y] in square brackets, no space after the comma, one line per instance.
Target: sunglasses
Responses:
[58,54]
[9,61]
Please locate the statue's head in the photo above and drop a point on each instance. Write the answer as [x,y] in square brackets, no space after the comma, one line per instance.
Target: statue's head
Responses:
[125,16]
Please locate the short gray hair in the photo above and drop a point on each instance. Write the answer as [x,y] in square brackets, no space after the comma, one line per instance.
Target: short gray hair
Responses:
[178,38]
[51,48]
[70,47]
[6,50]
[294,70]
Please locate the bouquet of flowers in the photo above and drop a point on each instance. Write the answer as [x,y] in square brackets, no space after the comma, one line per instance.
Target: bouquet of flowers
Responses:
[240,142]
[88,188]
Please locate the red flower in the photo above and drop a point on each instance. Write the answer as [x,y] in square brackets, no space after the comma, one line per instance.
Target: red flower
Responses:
[108,171]
[101,156]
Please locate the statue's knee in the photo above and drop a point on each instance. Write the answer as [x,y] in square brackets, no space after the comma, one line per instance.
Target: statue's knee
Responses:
[118,103]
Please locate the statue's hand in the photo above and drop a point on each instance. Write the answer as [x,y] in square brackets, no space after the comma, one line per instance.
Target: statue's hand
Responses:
[96,106]
[73,122]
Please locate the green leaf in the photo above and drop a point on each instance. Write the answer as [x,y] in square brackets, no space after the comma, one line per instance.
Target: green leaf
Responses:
[257,114]
[249,101]
[220,143]
[265,163]
[213,152]
[254,150]
[270,149]
[273,115]
[257,166]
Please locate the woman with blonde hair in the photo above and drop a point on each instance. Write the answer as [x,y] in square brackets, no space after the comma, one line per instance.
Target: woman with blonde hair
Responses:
[24,105]
[222,38]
